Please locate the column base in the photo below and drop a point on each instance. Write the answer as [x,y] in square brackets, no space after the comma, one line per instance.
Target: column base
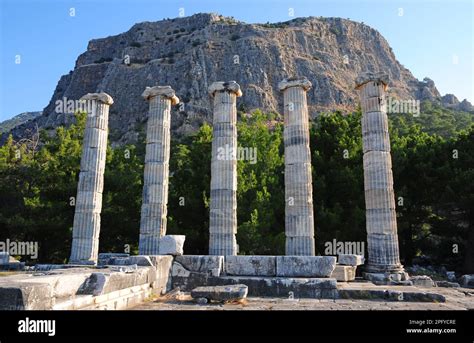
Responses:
[383,268]
[386,274]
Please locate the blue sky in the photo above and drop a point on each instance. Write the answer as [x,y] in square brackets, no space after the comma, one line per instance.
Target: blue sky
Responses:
[432,38]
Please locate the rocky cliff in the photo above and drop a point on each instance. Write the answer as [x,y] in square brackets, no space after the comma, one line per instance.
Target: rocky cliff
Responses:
[192,52]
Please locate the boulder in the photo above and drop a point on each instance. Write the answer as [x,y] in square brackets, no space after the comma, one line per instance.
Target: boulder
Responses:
[221,293]
[172,245]
[305,266]
[451,276]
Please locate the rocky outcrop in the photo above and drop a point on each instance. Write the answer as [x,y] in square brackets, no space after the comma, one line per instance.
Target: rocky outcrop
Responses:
[190,53]
[9,124]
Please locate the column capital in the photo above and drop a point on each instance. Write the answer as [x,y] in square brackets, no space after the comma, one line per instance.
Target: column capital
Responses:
[164,91]
[294,82]
[102,97]
[229,86]
[366,77]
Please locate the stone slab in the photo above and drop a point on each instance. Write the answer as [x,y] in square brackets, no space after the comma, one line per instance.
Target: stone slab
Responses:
[250,265]
[221,293]
[26,296]
[213,265]
[350,259]
[422,281]
[172,245]
[447,284]
[100,283]
[344,273]
[305,266]
[319,288]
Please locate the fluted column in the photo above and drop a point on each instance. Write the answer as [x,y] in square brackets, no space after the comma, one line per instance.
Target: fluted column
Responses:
[223,207]
[299,219]
[381,221]
[86,227]
[155,181]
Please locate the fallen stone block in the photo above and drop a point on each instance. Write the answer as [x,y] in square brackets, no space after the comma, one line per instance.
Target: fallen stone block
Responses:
[221,293]
[451,276]
[422,281]
[344,273]
[305,266]
[250,265]
[350,259]
[213,265]
[447,284]
[467,281]
[172,245]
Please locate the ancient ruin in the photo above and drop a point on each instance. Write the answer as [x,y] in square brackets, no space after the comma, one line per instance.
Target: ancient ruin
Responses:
[299,220]
[381,218]
[121,281]
[223,208]
[155,182]
[86,228]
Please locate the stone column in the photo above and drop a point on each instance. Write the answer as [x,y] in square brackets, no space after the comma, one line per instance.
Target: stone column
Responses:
[86,227]
[223,208]
[299,219]
[381,221]
[157,156]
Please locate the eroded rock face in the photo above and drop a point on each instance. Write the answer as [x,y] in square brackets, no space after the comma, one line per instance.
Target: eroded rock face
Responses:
[190,53]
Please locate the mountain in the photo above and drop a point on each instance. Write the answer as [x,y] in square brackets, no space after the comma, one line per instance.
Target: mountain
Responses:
[9,124]
[190,53]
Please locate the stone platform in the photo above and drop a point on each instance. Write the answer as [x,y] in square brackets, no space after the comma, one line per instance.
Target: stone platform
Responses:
[124,281]
[57,287]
